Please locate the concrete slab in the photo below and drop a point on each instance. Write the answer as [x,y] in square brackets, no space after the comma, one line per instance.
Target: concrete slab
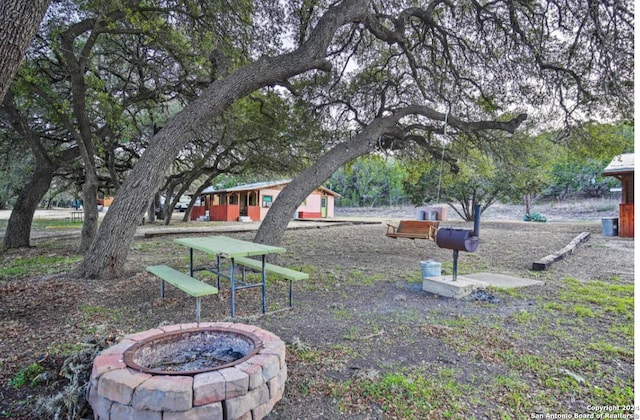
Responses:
[502,280]
[445,286]
[464,285]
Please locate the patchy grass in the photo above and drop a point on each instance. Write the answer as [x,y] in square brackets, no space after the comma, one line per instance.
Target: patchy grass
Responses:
[359,277]
[26,376]
[407,394]
[39,265]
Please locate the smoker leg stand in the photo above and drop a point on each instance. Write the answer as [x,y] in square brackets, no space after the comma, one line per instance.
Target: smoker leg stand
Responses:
[455,264]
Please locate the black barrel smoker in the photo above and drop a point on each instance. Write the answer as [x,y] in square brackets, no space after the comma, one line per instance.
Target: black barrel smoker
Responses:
[460,239]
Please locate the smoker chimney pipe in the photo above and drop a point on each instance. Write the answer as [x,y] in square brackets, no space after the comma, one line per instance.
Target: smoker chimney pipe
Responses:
[476,220]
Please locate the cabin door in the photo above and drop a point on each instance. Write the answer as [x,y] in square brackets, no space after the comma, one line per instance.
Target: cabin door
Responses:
[244,202]
[323,207]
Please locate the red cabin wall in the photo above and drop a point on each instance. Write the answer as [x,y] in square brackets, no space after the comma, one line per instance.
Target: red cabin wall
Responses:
[254,213]
[196,211]
[224,213]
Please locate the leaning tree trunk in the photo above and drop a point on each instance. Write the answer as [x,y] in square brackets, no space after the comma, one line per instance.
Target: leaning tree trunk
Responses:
[275,223]
[107,255]
[19,226]
[169,208]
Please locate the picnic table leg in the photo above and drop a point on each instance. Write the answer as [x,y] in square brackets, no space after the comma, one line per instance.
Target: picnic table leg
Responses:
[191,262]
[218,268]
[198,311]
[264,285]
[290,293]
[161,288]
[233,287]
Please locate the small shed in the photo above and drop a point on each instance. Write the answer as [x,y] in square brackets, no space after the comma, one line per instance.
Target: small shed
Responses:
[254,201]
[622,168]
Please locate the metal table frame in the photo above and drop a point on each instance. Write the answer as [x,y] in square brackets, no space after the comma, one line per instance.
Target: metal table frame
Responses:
[226,247]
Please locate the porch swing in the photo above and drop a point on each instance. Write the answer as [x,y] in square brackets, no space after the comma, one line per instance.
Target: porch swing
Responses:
[420,229]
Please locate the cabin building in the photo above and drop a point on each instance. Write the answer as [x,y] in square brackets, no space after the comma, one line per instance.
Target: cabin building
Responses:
[622,168]
[254,200]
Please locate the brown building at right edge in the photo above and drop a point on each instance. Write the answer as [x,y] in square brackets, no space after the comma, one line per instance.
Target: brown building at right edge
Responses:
[622,167]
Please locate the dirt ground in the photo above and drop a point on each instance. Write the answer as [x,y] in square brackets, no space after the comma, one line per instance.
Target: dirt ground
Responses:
[361,315]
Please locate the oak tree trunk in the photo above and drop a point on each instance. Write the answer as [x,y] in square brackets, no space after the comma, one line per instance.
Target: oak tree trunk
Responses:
[90,207]
[151,212]
[19,20]
[527,203]
[18,231]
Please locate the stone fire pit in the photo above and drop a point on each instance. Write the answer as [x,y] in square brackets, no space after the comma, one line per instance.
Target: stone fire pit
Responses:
[214,371]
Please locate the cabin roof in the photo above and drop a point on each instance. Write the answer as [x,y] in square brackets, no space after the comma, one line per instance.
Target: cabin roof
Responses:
[260,186]
[621,164]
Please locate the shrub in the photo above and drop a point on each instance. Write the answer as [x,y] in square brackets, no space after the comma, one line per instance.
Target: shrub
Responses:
[534,217]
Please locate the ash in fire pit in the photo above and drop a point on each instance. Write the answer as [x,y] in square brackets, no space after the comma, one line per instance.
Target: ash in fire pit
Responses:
[184,353]
[198,358]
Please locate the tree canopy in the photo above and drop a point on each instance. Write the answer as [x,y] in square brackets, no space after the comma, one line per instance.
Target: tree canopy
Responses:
[394,76]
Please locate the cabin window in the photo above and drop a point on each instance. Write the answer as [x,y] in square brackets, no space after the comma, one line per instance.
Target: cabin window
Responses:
[267,200]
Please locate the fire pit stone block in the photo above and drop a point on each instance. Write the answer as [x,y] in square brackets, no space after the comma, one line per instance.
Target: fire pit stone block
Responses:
[263,410]
[208,387]
[209,411]
[270,365]
[277,383]
[278,350]
[101,406]
[241,405]
[106,362]
[159,393]
[254,372]
[124,412]
[119,385]
[248,390]
[237,382]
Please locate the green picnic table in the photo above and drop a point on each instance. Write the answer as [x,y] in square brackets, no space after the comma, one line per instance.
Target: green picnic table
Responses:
[232,248]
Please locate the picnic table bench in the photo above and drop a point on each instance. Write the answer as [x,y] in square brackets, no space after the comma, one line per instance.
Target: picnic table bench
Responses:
[184,282]
[413,229]
[284,272]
